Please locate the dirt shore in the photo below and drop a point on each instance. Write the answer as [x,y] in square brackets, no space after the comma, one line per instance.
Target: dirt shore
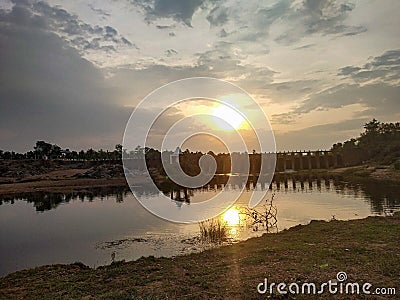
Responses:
[60,186]
[28,176]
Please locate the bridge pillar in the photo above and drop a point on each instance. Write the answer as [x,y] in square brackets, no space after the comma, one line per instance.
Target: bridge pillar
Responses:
[284,162]
[301,161]
[292,159]
[326,156]
[309,160]
[335,160]
[317,157]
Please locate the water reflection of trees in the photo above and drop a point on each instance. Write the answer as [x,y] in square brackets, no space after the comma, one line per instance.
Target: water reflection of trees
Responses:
[380,195]
[43,201]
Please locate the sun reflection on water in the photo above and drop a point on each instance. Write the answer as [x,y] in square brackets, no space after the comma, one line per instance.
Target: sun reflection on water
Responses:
[232,217]
[233,222]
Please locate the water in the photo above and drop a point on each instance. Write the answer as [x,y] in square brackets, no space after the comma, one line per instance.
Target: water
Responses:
[42,228]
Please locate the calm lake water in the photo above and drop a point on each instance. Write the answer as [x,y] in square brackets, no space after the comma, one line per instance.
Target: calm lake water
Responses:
[39,229]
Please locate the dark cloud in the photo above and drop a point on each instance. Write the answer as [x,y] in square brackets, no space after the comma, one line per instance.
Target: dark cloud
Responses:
[326,17]
[378,97]
[179,10]
[296,19]
[171,52]
[348,70]
[304,47]
[165,26]
[218,16]
[50,92]
[77,33]
[379,100]
[99,11]
[375,87]
[223,33]
[384,68]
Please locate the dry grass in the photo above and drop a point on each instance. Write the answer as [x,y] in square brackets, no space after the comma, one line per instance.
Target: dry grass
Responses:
[213,231]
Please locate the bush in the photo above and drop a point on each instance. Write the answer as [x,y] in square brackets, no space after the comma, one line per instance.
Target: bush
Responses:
[397,165]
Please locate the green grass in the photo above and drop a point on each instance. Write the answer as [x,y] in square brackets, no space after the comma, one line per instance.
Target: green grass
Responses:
[368,250]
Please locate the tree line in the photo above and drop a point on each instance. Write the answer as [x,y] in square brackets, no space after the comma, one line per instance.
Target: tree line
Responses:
[380,142]
[44,150]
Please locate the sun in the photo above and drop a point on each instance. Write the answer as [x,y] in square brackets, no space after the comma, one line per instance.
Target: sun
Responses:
[232,217]
[229,115]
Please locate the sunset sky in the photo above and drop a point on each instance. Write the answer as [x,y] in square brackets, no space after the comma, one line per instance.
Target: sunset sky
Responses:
[71,72]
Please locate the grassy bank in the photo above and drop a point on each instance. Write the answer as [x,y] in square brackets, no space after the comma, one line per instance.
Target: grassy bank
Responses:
[368,250]
[353,174]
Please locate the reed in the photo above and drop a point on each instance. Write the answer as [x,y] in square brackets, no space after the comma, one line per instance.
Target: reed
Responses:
[213,231]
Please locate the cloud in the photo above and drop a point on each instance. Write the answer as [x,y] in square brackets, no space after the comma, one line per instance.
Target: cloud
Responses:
[170,52]
[165,27]
[49,91]
[374,86]
[178,10]
[323,135]
[99,11]
[293,20]
[77,33]
[324,17]
[291,91]
[218,16]
[383,68]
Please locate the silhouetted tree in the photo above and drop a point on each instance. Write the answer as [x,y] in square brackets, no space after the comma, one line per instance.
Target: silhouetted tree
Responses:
[43,149]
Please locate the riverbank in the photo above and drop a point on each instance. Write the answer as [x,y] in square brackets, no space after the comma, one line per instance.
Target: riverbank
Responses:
[367,250]
[356,173]
[18,177]
[58,176]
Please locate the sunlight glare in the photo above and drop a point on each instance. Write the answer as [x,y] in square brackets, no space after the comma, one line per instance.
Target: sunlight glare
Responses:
[229,115]
[232,217]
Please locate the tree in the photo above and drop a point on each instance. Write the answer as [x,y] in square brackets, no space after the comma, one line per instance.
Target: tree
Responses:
[90,154]
[43,149]
[55,151]
[372,127]
[118,151]
[82,154]
[337,147]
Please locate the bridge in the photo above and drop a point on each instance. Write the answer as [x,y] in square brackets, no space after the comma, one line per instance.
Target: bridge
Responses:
[307,160]
[285,161]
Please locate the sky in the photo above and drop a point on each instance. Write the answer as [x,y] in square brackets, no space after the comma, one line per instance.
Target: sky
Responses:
[72,72]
